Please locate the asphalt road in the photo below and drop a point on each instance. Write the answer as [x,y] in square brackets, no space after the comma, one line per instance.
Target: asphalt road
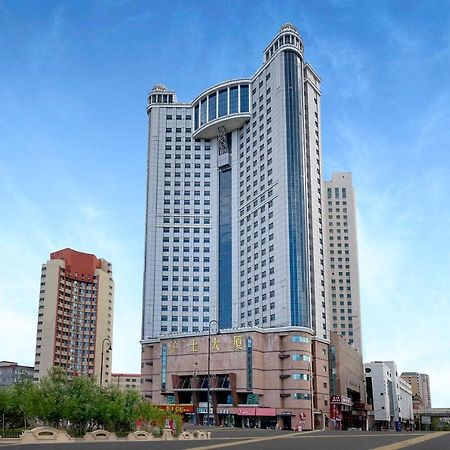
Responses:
[255,439]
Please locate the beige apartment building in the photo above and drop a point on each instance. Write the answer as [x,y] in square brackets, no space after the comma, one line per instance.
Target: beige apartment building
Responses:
[342,267]
[75,318]
[420,384]
[258,377]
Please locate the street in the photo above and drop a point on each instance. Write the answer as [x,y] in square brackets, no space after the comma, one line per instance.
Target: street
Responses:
[257,439]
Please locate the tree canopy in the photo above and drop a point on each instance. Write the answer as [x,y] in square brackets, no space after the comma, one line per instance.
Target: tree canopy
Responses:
[78,404]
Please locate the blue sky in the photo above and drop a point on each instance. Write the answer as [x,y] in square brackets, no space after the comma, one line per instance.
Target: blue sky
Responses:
[73,83]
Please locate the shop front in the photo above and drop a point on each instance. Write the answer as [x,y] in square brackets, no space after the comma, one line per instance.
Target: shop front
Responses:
[340,412]
[248,417]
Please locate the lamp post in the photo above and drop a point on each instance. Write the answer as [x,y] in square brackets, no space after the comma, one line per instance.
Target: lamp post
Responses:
[109,348]
[209,364]
[197,381]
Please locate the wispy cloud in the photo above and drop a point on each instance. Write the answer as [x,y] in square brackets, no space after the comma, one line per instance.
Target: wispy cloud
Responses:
[49,43]
[346,65]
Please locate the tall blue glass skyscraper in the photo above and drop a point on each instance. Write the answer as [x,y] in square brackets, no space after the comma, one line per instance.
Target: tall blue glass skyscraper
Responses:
[234,202]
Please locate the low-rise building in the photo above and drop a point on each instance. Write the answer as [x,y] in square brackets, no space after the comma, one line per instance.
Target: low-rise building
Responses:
[348,408]
[11,372]
[258,377]
[390,396]
[126,381]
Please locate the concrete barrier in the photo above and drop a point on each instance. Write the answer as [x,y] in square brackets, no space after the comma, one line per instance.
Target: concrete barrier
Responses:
[140,435]
[100,435]
[48,434]
[167,434]
[201,435]
[186,436]
[44,434]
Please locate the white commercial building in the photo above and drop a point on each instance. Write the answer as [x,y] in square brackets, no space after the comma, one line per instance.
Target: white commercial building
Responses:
[389,395]
[234,202]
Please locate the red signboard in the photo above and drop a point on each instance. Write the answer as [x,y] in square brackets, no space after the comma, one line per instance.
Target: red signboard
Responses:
[246,411]
[180,409]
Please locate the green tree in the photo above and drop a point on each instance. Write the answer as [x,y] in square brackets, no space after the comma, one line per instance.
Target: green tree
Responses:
[82,398]
[51,397]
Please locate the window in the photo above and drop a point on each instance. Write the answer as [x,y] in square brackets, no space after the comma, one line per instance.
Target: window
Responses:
[300,376]
[296,357]
[301,396]
[301,339]
[223,100]
[212,107]
[233,99]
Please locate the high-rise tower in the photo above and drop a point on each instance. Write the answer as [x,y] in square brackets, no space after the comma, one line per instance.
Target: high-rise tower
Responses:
[75,317]
[420,384]
[342,258]
[234,202]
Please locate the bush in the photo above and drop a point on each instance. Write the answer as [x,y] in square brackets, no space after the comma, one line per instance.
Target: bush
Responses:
[11,433]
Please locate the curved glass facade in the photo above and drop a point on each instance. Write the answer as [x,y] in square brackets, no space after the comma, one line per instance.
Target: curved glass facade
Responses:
[300,305]
[230,100]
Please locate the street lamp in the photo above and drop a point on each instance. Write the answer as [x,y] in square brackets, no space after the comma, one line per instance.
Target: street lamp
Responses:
[109,348]
[197,381]
[209,364]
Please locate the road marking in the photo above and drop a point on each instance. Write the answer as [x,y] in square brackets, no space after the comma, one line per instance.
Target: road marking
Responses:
[249,441]
[413,441]
[334,436]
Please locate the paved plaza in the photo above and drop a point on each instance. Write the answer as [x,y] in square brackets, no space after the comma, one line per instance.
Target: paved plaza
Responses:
[257,439]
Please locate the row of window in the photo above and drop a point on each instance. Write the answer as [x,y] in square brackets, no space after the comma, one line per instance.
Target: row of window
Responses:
[256,277]
[170,115]
[165,318]
[184,308]
[287,39]
[184,329]
[338,192]
[169,147]
[264,320]
[178,130]
[338,203]
[229,100]
[185,269]
[257,310]
[188,220]
[187,240]
[187,175]
[342,303]
[185,298]
[195,279]
[176,288]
